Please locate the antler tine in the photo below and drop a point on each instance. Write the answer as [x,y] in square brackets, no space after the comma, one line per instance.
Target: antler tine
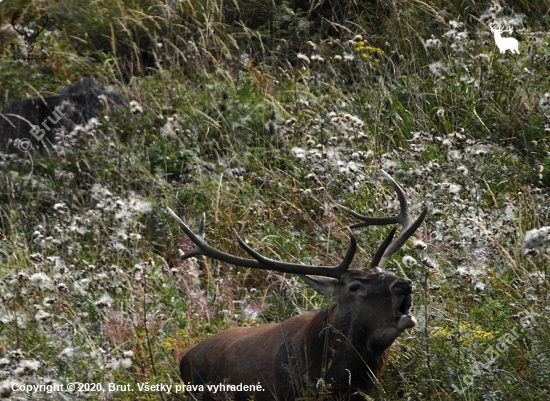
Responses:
[43,27]
[16,15]
[388,248]
[402,218]
[403,237]
[382,249]
[259,261]
[14,18]
[327,271]
[198,239]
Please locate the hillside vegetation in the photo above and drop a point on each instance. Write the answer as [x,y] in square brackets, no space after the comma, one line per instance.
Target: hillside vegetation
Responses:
[264,116]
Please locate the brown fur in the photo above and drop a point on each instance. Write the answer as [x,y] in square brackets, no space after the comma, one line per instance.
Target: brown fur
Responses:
[336,344]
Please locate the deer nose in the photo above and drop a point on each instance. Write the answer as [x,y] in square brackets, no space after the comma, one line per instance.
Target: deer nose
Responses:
[402,287]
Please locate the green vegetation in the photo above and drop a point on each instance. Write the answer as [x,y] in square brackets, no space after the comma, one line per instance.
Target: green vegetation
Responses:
[263,120]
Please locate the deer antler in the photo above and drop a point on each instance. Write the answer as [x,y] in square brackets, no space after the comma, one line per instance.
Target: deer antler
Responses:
[34,35]
[384,252]
[259,261]
[13,20]
[388,248]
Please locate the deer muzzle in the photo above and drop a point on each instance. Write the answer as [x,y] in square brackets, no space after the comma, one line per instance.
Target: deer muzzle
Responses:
[402,290]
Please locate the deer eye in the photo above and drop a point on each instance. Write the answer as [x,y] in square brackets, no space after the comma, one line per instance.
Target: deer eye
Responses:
[354,287]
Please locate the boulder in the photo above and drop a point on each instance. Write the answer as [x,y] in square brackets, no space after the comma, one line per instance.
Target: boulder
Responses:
[36,119]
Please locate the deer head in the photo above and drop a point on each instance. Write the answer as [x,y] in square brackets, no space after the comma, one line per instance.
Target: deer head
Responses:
[28,35]
[495,29]
[345,345]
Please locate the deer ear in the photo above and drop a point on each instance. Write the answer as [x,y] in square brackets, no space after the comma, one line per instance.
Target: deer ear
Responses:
[323,285]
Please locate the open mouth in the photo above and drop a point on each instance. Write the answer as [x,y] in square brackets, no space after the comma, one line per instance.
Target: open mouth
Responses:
[403,314]
[402,291]
[405,307]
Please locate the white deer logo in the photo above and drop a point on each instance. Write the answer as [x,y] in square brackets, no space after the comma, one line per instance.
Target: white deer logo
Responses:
[505,43]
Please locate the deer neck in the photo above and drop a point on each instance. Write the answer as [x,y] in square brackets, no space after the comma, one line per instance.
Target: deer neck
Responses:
[343,331]
[340,342]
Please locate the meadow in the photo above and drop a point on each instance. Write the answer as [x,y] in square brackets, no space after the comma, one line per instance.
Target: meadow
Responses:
[263,117]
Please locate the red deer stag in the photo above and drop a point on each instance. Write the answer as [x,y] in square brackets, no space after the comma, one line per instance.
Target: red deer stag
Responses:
[340,350]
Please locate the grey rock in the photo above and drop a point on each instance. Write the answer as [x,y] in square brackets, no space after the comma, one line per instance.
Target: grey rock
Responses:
[32,118]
